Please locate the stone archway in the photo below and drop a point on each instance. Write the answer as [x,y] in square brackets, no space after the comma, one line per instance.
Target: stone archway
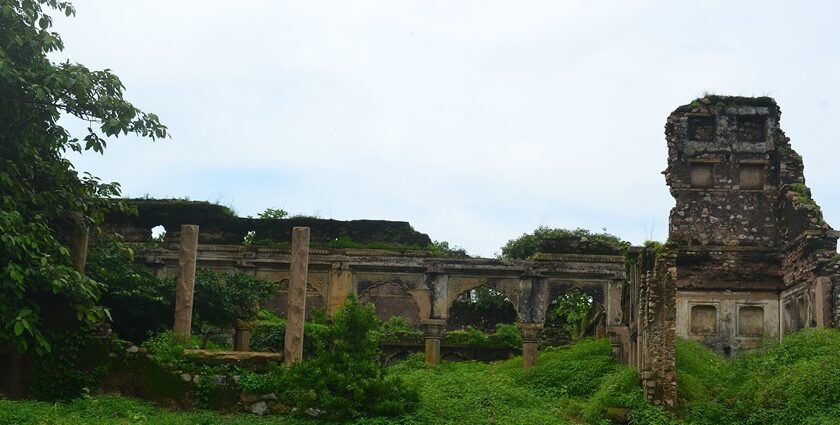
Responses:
[481,307]
[390,299]
[574,312]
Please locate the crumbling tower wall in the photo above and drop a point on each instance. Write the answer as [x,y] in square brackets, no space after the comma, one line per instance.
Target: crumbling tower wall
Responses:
[749,236]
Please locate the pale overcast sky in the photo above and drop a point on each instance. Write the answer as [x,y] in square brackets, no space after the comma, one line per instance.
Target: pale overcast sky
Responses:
[476,121]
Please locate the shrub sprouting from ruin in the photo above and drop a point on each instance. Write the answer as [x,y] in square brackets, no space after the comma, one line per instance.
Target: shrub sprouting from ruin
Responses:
[525,246]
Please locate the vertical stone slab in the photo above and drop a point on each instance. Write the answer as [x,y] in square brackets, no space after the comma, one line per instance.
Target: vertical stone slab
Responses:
[79,247]
[186,280]
[296,311]
[432,332]
[530,343]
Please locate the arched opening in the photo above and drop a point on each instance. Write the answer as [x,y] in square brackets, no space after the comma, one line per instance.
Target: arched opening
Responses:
[158,233]
[573,315]
[390,299]
[482,308]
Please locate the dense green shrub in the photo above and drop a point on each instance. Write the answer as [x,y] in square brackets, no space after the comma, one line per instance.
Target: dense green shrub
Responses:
[621,390]
[140,303]
[398,329]
[74,365]
[343,380]
[482,308]
[506,334]
[223,298]
[796,381]
[271,336]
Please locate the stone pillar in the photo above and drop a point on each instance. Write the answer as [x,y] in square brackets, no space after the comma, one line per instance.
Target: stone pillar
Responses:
[79,245]
[186,280]
[530,343]
[242,337]
[822,301]
[296,311]
[340,286]
[432,331]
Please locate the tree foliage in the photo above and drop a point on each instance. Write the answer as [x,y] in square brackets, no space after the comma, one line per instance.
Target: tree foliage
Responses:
[43,198]
[570,311]
[343,380]
[142,303]
[273,214]
[528,244]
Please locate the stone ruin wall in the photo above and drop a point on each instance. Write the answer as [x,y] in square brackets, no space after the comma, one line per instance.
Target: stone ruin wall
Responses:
[755,257]
[650,321]
[749,255]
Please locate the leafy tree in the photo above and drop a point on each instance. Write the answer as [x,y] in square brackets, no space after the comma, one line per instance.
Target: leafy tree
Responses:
[483,308]
[140,302]
[43,198]
[222,299]
[528,244]
[273,214]
[570,311]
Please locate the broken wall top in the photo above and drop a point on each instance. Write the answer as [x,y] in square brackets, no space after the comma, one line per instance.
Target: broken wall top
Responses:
[735,177]
[219,225]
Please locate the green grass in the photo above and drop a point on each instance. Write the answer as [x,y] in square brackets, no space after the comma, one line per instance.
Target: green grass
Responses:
[795,382]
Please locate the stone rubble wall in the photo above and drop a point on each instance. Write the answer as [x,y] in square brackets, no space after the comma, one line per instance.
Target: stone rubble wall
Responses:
[652,333]
[219,225]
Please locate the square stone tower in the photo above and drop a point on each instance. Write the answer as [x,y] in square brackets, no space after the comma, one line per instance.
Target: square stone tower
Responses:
[755,257]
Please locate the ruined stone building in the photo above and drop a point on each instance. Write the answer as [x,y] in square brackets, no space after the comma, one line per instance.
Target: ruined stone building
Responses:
[749,255]
[754,256]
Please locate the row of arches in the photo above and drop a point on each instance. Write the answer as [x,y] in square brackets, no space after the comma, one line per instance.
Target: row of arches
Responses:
[572,311]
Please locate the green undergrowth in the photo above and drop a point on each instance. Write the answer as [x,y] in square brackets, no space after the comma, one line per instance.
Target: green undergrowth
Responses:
[794,382]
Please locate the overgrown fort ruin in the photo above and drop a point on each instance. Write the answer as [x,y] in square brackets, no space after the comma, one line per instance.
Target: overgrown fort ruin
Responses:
[749,254]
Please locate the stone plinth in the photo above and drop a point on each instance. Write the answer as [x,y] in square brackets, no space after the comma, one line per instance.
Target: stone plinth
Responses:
[432,332]
[530,343]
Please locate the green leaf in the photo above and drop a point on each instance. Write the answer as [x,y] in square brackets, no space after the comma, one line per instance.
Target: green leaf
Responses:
[18,328]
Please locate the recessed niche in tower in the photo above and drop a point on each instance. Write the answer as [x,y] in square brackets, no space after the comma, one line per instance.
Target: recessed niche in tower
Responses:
[752,176]
[751,128]
[701,129]
[702,175]
[703,319]
[751,321]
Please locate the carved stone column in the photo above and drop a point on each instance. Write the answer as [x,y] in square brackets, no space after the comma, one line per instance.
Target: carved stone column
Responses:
[242,337]
[186,280]
[432,331]
[296,311]
[530,342]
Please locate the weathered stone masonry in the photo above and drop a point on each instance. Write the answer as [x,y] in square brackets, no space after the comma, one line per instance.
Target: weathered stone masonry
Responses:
[754,256]
[749,254]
